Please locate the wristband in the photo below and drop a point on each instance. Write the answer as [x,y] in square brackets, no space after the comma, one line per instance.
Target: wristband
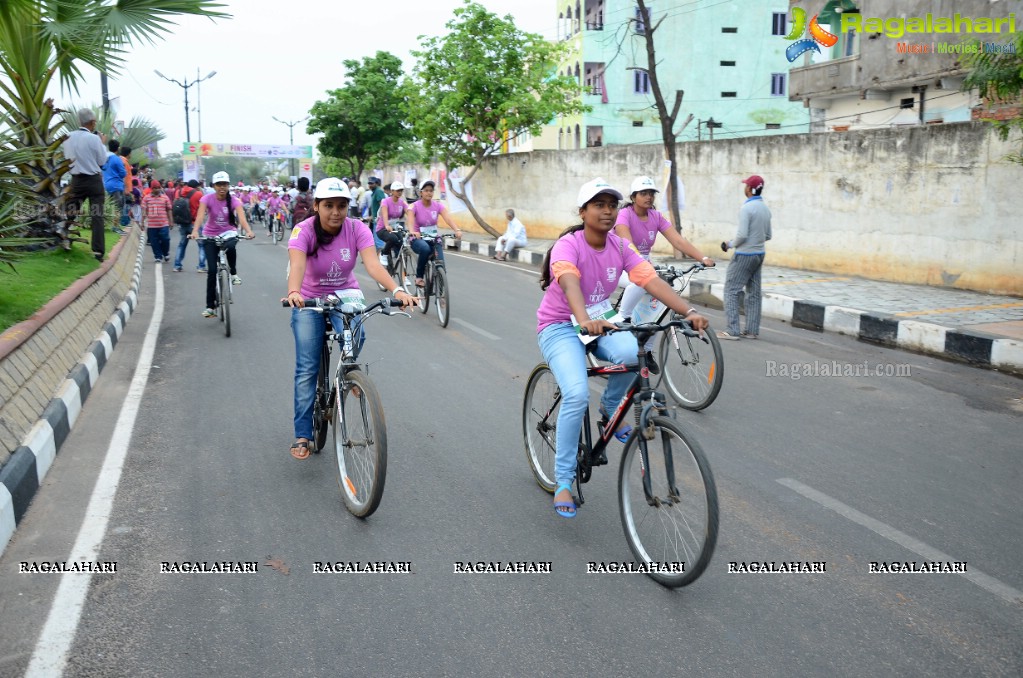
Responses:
[686,314]
[294,292]
[394,292]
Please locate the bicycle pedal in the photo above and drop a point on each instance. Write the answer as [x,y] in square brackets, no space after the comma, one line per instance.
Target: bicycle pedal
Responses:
[598,459]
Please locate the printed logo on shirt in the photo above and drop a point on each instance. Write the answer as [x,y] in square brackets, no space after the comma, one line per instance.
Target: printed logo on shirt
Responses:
[598,292]
[650,236]
[346,254]
[335,276]
[612,274]
[295,232]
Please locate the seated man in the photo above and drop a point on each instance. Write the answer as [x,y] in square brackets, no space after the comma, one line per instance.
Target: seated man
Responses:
[514,237]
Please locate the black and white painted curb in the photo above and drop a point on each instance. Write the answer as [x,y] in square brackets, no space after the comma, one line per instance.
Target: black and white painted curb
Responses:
[22,475]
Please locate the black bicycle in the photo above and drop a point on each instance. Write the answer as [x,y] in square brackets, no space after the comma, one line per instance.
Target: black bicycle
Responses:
[224,290]
[435,280]
[666,494]
[350,404]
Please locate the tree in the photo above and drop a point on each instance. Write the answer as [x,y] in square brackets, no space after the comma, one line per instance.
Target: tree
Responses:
[45,39]
[483,83]
[138,134]
[999,77]
[364,119]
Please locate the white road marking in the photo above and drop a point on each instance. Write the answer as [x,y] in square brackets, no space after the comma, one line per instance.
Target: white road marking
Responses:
[985,581]
[50,655]
[478,330]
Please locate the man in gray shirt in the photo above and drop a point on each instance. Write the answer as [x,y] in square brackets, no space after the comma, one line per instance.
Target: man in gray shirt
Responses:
[88,153]
[744,270]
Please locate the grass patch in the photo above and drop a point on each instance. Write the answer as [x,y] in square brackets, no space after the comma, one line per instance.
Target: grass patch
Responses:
[40,276]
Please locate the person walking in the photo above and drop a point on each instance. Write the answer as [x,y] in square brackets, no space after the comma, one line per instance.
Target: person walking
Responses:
[156,219]
[514,237]
[184,214]
[86,150]
[113,181]
[744,270]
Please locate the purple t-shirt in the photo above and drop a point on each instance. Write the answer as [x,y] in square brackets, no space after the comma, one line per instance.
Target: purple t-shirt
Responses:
[426,216]
[216,214]
[644,233]
[599,272]
[395,210]
[332,267]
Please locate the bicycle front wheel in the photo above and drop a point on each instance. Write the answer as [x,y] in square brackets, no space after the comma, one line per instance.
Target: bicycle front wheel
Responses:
[325,398]
[443,295]
[360,444]
[423,293]
[693,369]
[540,409]
[673,521]
[225,301]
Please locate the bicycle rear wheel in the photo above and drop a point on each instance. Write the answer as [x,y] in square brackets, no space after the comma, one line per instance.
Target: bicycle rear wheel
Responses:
[360,444]
[325,397]
[423,293]
[678,523]
[443,295]
[692,369]
[225,300]
[540,408]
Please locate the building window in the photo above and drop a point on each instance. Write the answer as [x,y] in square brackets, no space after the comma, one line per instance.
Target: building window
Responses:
[637,123]
[778,21]
[907,103]
[730,29]
[641,82]
[727,63]
[777,84]
[640,26]
[728,95]
[772,125]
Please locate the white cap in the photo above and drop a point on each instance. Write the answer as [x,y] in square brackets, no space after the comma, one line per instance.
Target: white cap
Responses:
[397,186]
[220,177]
[331,187]
[592,189]
[643,184]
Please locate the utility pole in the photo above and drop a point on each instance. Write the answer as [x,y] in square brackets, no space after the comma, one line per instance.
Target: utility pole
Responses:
[291,139]
[185,86]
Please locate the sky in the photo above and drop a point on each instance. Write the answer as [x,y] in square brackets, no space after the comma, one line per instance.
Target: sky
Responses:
[273,58]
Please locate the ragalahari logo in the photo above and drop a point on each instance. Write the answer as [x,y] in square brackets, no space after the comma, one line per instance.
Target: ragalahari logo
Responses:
[817,35]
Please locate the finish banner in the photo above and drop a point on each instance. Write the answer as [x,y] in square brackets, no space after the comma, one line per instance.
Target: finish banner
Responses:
[248,150]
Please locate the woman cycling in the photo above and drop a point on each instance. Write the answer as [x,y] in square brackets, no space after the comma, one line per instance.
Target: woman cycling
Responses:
[225,213]
[392,207]
[422,220]
[321,253]
[584,265]
[639,223]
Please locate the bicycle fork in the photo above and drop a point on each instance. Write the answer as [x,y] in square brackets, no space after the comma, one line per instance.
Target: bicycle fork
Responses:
[647,432]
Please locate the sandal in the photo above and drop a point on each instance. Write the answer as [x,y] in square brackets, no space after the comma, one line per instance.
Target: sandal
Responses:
[622,433]
[565,509]
[300,449]
[420,282]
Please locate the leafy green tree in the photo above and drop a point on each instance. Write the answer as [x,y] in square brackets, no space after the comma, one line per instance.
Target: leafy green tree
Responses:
[999,77]
[482,83]
[44,40]
[364,119]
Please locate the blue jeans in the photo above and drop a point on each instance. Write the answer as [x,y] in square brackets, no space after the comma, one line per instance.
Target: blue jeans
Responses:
[566,356]
[422,248]
[309,328]
[159,239]
[179,258]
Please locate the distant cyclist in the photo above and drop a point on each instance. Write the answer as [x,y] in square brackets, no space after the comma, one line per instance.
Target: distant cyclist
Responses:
[219,214]
[422,220]
[392,209]
[274,206]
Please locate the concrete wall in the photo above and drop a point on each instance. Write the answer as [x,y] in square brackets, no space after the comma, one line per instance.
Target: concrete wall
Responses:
[926,204]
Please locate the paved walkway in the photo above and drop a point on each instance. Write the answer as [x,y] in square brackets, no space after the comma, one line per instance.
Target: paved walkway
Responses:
[983,329]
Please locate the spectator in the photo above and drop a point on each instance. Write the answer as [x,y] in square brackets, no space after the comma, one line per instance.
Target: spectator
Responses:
[744,270]
[129,176]
[184,215]
[514,237]
[303,204]
[113,181]
[85,149]
[156,218]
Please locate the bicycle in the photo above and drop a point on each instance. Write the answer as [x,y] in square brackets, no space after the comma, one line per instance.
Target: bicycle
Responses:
[360,432]
[224,296]
[667,502]
[402,268]
[277,227]
[435,280]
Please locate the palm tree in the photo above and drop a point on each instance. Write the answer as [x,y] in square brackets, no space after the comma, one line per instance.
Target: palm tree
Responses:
[45,39]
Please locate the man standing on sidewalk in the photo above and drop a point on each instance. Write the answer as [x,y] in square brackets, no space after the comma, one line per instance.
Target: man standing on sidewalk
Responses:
[113,180]
[87,152]
[744,270]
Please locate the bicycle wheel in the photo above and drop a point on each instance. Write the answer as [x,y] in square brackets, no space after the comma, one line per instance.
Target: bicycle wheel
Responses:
[325,398]
[360,444]
[692,370]
[423,293]
[225,301]
[443,295]
[404,271]
[540,409]
[679,523]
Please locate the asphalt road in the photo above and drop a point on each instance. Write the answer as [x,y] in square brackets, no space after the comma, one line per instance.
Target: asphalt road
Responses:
[841,470]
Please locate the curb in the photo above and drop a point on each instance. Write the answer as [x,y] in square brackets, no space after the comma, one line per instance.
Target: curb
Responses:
[975,348]
[22,475]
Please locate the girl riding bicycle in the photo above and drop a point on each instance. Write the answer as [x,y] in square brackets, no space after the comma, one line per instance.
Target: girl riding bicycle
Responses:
[585,263]
[422,220]
[225,214]
[392,208]
[639,223]
[321,253]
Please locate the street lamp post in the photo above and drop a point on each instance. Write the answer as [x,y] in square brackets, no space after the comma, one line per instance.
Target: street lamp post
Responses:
[291,138]
[185,86]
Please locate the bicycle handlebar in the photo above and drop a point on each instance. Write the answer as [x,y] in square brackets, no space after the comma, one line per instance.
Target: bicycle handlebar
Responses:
[670,274]
[332,303]
[651,328]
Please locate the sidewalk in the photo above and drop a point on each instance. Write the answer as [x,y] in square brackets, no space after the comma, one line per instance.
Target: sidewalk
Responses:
[981,329]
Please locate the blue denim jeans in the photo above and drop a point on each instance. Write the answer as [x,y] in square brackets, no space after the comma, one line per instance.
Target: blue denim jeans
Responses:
[179,258]
[566,356]
[309,328]
[422,248]
[159,239]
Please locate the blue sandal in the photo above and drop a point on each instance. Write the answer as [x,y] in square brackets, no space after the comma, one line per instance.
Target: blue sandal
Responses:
[622,434]
[568,506]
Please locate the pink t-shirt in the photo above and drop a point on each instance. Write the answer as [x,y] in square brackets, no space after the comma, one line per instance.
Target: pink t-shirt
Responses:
[273,205]
[395,210]
[332,267]
[425,216]
[216,214]
[644,233]
[599,272]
